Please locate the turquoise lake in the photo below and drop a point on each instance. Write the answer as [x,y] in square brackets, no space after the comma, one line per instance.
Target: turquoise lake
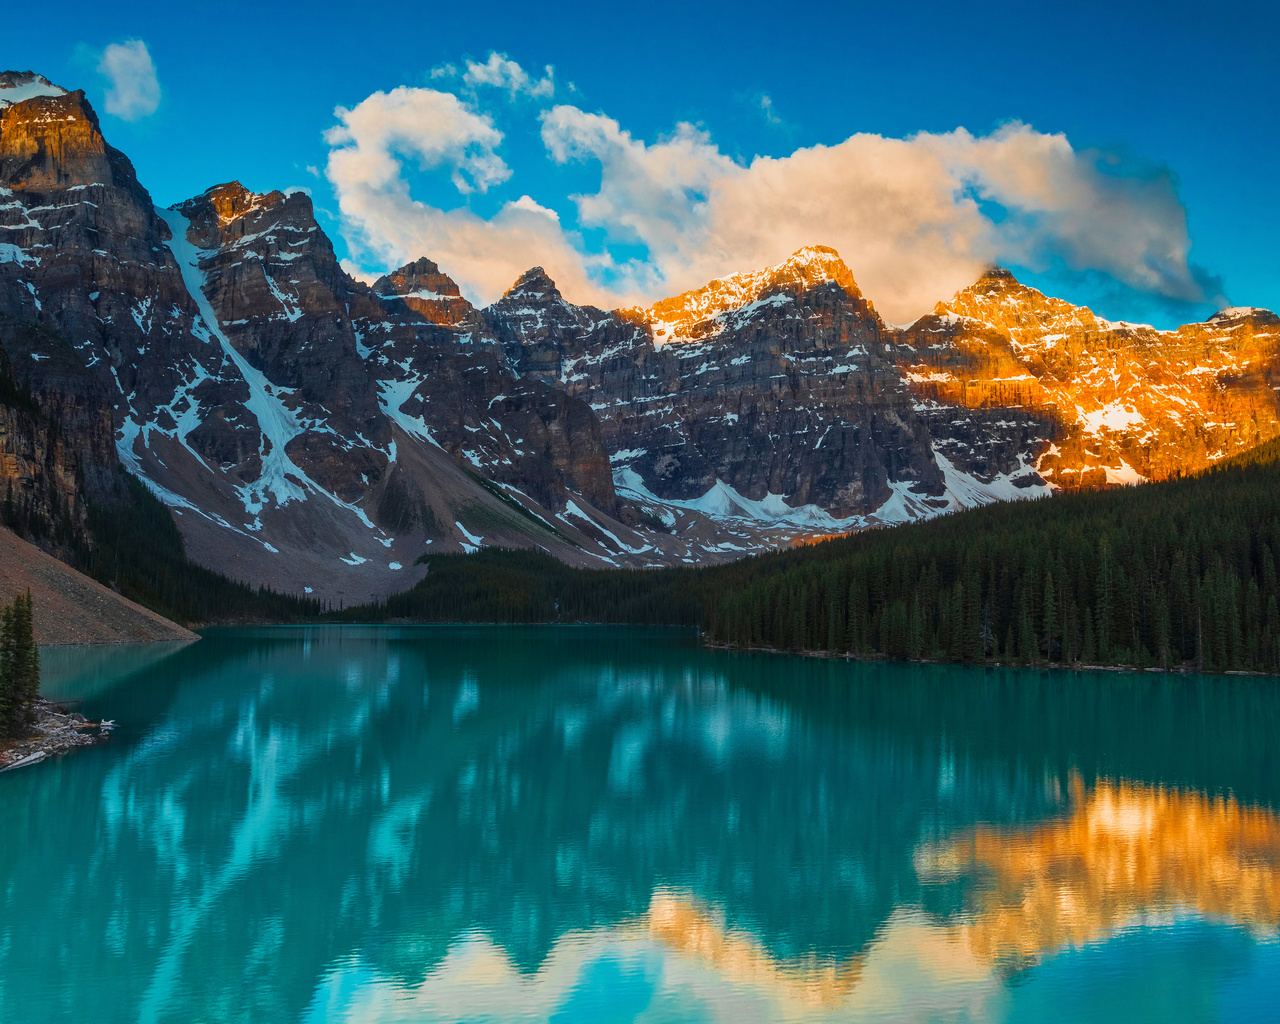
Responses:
[606,825]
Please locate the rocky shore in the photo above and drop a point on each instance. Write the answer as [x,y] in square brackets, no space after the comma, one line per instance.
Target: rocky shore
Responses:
[56,731]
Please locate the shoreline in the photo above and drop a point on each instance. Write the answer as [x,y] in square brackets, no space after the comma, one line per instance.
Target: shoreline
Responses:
[1055,666]
[56,731]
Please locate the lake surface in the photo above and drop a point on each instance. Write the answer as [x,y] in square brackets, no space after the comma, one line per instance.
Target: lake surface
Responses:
[607,825]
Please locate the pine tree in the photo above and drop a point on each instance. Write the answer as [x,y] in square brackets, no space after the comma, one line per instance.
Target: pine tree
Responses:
[1050,616]
[1105,585]
[19,666]
[8,699]
[1090,652]
[26,656]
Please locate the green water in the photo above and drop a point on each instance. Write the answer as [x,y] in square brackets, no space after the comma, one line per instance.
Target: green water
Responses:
[473,824]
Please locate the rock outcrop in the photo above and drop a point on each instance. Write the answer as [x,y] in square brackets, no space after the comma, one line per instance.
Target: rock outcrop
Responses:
[423,289]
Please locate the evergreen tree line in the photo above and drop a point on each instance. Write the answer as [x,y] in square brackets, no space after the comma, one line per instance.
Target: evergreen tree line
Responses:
[1181,573]
[19,667]
[1175,574]
[501,585]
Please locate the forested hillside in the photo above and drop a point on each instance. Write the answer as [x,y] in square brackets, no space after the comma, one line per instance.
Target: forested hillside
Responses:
[1175,574]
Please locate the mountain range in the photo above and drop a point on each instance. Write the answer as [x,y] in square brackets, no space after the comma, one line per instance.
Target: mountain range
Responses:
[318,434]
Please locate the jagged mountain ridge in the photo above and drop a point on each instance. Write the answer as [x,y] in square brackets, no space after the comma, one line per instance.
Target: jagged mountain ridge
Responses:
[258,421]
[318,434]
[1128,402]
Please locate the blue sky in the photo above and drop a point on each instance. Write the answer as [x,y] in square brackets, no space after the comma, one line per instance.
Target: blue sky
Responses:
[1157,113]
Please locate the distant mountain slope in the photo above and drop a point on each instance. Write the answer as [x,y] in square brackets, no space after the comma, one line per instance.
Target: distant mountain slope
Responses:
[70,608]
[317,435]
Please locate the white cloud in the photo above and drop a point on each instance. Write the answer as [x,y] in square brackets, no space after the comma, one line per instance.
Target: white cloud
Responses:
[133,91]
[368,146]
[502,73]
[911,217]
[907,215]
[386,226]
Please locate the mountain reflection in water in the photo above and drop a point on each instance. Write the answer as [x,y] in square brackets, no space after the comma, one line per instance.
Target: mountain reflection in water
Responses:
[485,824]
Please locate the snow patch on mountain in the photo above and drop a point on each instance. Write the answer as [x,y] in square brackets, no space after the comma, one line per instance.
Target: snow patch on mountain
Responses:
[281,479]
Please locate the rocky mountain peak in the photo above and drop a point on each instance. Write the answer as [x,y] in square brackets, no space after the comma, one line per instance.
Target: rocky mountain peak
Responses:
[1027,317]
[16,86]
[701,313]
[52,140]
[533,286]
[808,268]
[227,212]
[997,277]
[422,287]
[231,200]
[1235,315]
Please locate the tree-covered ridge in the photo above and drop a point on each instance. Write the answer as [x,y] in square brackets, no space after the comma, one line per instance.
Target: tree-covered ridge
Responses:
[19,667]
[1174,574]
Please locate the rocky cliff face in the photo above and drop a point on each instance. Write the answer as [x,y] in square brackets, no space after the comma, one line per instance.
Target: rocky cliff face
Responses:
[1123,401]
[317,434]
[775,399]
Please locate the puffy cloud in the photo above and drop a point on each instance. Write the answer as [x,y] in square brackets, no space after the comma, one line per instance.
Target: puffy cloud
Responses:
[502,73]
[1079,207]
[915,218]
[368,145]
[133,91]
[385,225]
[656,194]
[909,216]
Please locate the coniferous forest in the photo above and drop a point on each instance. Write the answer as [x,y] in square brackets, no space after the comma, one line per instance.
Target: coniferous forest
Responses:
[1178,574]
[19,667]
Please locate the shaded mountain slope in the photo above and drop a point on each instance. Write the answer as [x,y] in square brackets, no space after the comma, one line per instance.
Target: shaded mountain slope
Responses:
[70,608]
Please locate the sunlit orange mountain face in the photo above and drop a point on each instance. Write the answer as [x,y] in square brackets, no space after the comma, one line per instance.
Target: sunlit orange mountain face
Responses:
[317,433]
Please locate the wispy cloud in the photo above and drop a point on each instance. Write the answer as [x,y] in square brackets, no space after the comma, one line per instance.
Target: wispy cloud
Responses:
[500,72]
[133,90]
[766,107]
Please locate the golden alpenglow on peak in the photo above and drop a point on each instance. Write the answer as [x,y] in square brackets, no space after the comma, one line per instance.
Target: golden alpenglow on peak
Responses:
[1131,403]
[702,314]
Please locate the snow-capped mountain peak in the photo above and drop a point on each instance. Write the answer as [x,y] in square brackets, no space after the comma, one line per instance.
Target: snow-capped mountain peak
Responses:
[533,286]
[701,314]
